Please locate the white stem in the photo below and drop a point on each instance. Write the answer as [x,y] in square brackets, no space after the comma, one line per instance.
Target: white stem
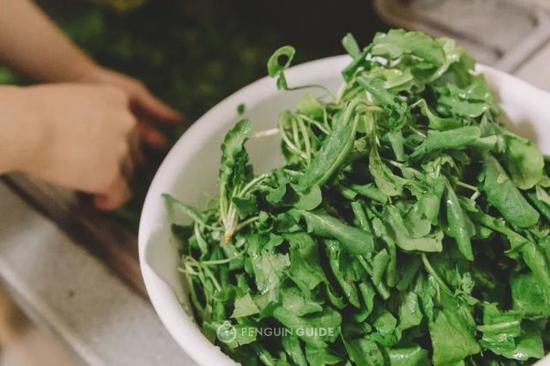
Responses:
[266,133]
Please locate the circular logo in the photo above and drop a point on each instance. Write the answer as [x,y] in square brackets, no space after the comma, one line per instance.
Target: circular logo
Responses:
[226,332]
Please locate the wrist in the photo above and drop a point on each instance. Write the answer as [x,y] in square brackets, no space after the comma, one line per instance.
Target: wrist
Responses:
[22,136]
[92,73]
[83,70]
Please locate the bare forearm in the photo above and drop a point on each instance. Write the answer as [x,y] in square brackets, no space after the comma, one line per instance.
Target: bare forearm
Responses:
[32,45]
[20,130]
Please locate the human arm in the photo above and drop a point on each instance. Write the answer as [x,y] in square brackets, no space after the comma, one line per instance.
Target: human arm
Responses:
[74,135]
[31,44]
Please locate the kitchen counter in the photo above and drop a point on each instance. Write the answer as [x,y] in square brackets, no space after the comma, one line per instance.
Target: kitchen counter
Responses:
[72,294]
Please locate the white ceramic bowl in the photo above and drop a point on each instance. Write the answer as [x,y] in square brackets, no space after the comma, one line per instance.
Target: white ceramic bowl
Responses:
[190,170]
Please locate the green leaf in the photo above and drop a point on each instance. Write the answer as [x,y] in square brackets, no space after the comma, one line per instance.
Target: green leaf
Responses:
[235,173]
[398,42]
[405,240]
[455,139]
[309,200]
[452,340]
[529,345]
[408,356]
[305,267]
[542,195]
[506,198]
[348,287]
[469,102]
[460,226]
[311,106]
[355,240]
[367,294]
[385,324]
[410,314]
[235,168]
[530,296]
[351,46]
[524,161]
[386,181]
[539,201]
[245,205]
[295,302]
[293,349]
[244,306]
[397,143]
[500,329]
[234,335]
[175,204]
[269,270]
[369,190]
[333,151]
[434,121]
[277,188]
[535,259]
[379,265]
[316,329]
[321,356]
[365,352]
[375,86]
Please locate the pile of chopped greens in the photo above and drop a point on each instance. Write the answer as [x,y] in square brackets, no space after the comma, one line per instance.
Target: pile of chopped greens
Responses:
[406,226]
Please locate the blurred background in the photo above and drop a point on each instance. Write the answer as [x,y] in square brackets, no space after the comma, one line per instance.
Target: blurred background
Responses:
[83,291]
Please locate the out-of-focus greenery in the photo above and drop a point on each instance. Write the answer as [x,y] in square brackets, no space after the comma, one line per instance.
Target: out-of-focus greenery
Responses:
[120,5]
[193,53]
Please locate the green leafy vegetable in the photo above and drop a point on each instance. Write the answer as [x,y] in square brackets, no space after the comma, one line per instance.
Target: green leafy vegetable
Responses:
[452,341]
[355,240]
[502,194]
[524,161]
[406,226]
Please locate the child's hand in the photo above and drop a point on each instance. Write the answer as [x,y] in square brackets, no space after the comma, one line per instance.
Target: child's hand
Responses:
[76,135]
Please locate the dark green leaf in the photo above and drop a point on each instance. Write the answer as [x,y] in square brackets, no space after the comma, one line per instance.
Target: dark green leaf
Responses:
[460,226]
[530,297]
[502,194]
[452,340]
[355,240]
[173,204]
[321,356]
[523,161]
[348,287]
[405,240]
[365,352]
[333,151]
[408,356]
[294,350]
[459,138]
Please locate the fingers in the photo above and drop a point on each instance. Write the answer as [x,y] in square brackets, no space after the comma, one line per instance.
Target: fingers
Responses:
[116,195]
[118,192]
[142,102]
[135,156]
[151,136]
[147,103]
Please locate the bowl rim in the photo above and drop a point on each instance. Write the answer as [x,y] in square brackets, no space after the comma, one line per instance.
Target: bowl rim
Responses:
[179,324]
